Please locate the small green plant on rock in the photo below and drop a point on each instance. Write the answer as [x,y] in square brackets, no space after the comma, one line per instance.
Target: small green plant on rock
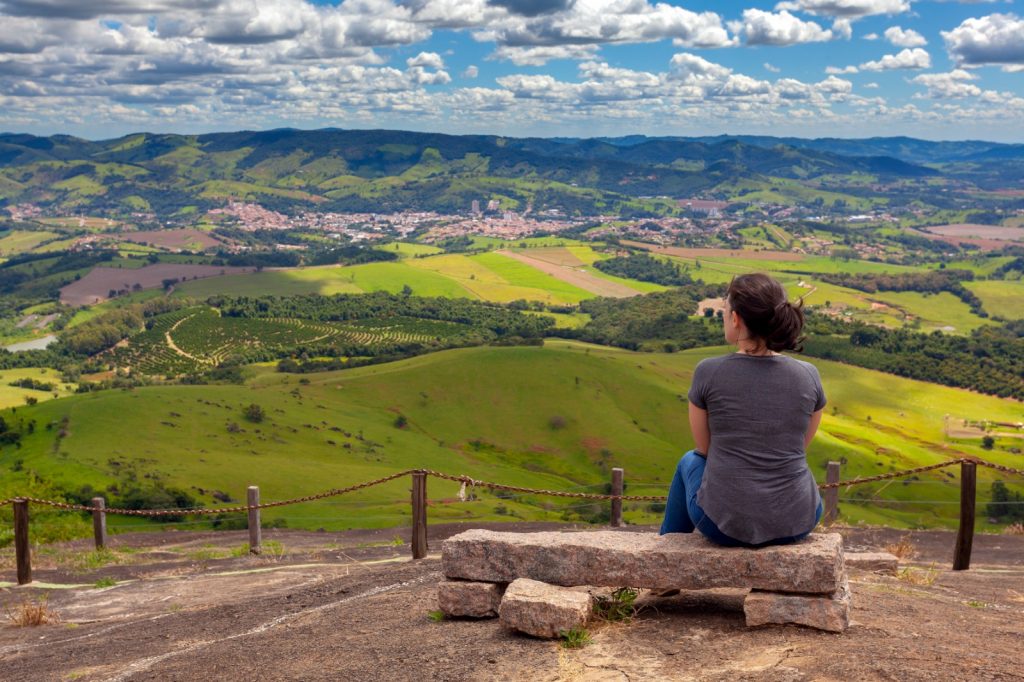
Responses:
[575,638]
[620,606]
[435,616]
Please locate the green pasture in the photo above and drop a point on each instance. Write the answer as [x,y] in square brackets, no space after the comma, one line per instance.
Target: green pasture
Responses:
[22,241]
[412,249]
[520,274]
[556,417]
[1000,297]
[13,396]
[491,281]
[934,311]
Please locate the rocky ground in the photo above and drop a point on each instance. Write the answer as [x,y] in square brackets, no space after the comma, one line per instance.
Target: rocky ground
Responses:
[324,606]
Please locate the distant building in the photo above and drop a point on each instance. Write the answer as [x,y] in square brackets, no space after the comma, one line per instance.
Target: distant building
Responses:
[475,207]
[712,209]
[493,205]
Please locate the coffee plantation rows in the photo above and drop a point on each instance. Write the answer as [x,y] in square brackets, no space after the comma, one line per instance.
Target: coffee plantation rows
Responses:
[198,338]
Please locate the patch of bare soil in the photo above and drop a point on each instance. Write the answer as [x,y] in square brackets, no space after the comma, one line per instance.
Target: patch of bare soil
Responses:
[353,606]
[172,239]
[96,286]
[998,232]
[575,276]
[682,252]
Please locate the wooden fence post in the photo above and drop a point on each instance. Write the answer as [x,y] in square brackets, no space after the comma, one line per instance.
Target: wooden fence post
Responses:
[831,494]
[99,522]
[255,532]
[616,517]
[965,534]
[22,551]
[419,514]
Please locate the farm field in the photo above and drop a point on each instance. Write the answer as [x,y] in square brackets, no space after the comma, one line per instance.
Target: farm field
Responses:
[499,276]
[980,231]
[556,417]
[192,339]
[1003,298]
[23,241]
[14,396]
[95,286]
[191,239]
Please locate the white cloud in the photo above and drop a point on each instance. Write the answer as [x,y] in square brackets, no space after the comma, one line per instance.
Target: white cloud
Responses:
[838,71]
[993,39]
[771,68]
[428,60]
[779,29]
[904,38]
[691,69]
[847,8]
[872,36]
[871,86]
[539,55]
[911,58]
[471,71]
[955,84]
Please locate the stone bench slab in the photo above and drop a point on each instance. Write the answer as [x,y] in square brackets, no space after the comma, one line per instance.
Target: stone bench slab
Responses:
[644,560]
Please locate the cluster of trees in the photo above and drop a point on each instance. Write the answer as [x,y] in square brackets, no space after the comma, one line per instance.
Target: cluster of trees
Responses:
[645,268]
[351,255]
[106,330]
[660,321]
[990,360]
[927,282]
[1014,266]
[1006,505]
[33,384]
[501,320]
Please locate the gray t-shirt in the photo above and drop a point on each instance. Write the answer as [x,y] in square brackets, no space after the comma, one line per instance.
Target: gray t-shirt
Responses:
[757,485]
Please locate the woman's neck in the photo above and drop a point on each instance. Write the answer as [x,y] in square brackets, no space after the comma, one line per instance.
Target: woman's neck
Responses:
[752,347]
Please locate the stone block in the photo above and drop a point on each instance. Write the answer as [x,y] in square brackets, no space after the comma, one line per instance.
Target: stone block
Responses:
[831,613]
[880,562]
[462,598]
[643,560]
[543,610]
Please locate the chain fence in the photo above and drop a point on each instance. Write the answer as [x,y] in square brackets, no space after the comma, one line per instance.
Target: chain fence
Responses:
[469,482]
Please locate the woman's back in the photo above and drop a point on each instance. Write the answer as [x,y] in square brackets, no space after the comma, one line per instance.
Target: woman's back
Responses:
[757,485]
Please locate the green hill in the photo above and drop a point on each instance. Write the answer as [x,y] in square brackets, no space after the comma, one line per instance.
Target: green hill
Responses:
[555,417]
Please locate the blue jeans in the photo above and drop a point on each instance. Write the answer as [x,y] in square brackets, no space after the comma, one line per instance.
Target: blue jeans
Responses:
[683,514]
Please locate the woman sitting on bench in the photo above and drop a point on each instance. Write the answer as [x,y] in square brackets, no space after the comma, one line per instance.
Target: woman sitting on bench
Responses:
[753,413]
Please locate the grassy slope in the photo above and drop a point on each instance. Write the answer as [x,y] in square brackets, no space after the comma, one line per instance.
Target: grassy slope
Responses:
[11,396]
[1004,298]
[485,412]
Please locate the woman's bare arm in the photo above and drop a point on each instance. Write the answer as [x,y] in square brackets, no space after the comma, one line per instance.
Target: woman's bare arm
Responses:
[700,429]
[812,428]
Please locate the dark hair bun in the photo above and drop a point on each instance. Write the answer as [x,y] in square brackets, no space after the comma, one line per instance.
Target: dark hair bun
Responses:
[766,311]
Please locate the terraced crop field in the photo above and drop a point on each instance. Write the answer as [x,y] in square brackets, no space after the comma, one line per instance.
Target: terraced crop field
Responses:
[196,338]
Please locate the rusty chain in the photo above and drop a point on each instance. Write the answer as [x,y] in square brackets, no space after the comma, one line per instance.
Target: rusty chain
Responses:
[466,480]
[219,510]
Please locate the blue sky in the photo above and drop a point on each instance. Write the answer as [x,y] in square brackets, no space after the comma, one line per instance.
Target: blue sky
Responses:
[811,68]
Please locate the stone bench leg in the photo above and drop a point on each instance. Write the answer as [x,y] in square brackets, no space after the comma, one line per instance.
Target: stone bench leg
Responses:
[466,599]
[824,612]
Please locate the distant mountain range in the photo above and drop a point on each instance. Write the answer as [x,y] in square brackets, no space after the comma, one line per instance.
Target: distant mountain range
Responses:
[377,170]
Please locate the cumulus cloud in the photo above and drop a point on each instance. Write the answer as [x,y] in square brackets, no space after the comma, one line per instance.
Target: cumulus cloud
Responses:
[846,8]
[471,71]
[771,68]
[911,58]
[539,55]
[532,8]
[596,22]
[993,39]
[904,38]
[952,85]
[779,29]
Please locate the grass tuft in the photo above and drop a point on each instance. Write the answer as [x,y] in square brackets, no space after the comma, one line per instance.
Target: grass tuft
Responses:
[32,613]
[435,616]
[915,576]
[903,549]
[619,607]
[1014,529]
[104,582]
[575,638]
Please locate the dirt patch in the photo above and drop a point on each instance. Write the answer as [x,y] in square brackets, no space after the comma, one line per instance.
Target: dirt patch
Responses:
[343,606]
[982,244]
[96,286]
[716,253]
[981,231]
[172,239]
[575,276]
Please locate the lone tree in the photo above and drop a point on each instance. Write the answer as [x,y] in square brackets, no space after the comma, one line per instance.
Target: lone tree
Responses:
[254,413]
